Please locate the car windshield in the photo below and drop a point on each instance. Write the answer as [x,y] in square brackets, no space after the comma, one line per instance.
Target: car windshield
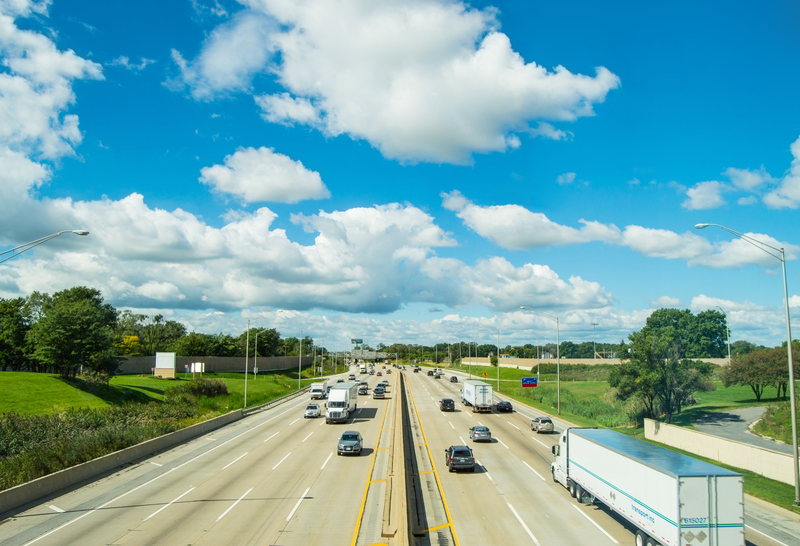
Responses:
[485,429]
[349,437]
[465,452]
[314,406]
[341,404]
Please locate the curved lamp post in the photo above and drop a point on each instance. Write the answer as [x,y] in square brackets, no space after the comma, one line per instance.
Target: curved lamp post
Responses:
[558,353]
[300,358]
[781,255]
[498,354]
[16,251]
[728,333]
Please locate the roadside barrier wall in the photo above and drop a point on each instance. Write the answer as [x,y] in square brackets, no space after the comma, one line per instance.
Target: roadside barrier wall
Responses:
[768,463]
[144,364]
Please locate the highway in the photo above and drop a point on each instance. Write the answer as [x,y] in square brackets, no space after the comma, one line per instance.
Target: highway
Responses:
[273,478]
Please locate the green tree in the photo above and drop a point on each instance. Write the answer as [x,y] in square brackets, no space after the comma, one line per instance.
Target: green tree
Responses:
[13,329]
[657,371]
[751,369]
[76,329]
[158,335]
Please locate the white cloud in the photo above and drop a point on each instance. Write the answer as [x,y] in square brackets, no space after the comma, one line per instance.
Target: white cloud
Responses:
[662,243]
[749,200]
[705,195]
[161,291]
[424,80]
[566,178]
[665,301]
[748,180]
[233,53]
[126,63]
[633,182]
[787,194]
[258,175]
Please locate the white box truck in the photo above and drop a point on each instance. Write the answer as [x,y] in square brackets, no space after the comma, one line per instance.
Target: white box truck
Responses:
[363,368]
[671,499]
[318,390]
[342,402]
[477,394]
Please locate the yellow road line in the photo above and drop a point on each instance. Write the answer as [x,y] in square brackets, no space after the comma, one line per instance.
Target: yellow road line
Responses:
[440,527]
[377,481]
[436,474]
[366,489]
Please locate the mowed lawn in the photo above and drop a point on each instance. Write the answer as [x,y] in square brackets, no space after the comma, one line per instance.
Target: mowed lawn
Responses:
[36,393]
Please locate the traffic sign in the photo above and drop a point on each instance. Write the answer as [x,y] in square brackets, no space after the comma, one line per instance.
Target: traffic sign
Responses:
[357,341]
[530,381]
[486,373]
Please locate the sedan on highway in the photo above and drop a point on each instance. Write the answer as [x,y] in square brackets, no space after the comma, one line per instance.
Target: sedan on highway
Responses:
[363,389]
[543,424]
[350,443]
[312,411]
[454,378]
[459,458]
[506,405]
[480,434]
[378,392]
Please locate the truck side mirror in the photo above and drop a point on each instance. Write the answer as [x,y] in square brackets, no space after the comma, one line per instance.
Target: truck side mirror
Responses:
[553,449]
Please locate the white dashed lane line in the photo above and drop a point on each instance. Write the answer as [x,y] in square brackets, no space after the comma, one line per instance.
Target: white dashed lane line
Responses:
[532,470]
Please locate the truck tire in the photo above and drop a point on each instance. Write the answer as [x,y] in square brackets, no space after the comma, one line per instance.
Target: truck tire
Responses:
[579,492]
[652,542]
[572,489]
[640,539]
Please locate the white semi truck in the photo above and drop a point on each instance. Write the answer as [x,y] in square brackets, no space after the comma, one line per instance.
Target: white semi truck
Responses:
[671,499]
[363,368]
[477,394]
[342,402]
[319,390]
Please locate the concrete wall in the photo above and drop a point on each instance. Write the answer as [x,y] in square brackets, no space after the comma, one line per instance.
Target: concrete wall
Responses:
[144,364]
[52,483]
[772,464]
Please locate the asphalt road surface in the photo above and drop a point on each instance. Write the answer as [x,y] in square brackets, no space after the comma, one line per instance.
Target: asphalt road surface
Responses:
[733,425]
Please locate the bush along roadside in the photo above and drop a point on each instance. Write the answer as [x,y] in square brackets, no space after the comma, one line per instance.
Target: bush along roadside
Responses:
[37,445]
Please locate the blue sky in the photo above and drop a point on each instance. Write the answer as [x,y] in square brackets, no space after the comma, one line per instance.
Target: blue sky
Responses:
[404,171]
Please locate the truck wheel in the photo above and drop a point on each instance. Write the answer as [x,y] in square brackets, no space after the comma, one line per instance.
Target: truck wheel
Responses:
[579,492]
[640,539]
[651,542]
[572,489]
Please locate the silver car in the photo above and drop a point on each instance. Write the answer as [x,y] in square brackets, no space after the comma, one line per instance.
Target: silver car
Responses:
[350,443]
[313,411]
[480,434]
[542,424]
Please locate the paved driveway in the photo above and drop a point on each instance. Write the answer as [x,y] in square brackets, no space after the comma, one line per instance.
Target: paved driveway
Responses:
[733,426]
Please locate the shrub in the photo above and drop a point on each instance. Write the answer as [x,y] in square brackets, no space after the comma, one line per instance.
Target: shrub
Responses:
[198,387]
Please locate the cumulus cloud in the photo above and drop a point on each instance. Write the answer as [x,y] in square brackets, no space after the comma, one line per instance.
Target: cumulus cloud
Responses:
[258,175]
[705,195]
[566,178]
[665,301]
[425,80]
[662,243]
[230,57]
[126,63]
[748,180]
[787,194]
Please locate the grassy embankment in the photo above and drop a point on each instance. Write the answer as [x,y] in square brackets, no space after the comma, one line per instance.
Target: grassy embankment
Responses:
[48,424]
[590,403]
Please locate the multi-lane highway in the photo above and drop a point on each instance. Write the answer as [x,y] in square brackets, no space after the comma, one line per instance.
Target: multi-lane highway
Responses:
[273,478]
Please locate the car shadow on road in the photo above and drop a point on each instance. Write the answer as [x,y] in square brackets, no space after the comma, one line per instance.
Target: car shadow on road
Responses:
[365,414]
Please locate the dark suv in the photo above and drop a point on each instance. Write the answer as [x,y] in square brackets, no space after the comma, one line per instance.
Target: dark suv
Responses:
[447,404]
[459,458]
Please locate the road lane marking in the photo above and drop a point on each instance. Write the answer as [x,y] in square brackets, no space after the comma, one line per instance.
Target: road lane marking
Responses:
[156,464]
[307,437]
[593,522]
[322,423]
[516,427]
[296,506]
[532,470]
[547,446]
[125,494]
[279,462]
[168,504]
[519,519]
[484,470]
[234,504]
[501,441]
[271,437]
[765,534]
[293,422]
[242,455]
[55,508]
[331,455]
[451,424]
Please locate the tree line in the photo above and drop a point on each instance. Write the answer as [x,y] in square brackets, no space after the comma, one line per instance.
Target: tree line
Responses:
[75,330]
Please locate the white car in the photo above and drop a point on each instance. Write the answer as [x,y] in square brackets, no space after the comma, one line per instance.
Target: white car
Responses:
[312,411]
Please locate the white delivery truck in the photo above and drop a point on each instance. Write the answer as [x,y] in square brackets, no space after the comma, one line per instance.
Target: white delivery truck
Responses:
[342,402]
[318,390]
[477,394]
[363,368]
[671,499]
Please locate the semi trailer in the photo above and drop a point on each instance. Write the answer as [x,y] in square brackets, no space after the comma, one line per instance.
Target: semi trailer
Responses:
[342,402]
[477,394]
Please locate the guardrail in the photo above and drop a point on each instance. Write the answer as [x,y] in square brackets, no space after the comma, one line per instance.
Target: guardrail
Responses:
[272,403]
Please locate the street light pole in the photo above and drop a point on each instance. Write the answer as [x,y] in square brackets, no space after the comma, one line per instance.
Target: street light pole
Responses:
[728,333]
[558,353]
[246,361]
[594,342]
[16,251]
[793,403]
[300,358]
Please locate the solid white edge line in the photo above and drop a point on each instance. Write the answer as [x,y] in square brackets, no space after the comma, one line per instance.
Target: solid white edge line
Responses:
[155,464]
[168,504]
[593,522]
[766,535]
[232,505]
[312,432]
[271,437]
[296,506]
[331,455]
[519,519]
[279,462]
[532,470]
[242,455]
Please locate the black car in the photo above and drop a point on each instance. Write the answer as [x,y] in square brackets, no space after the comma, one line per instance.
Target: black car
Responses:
[454,379]
[459,458]
[447,404]
[417,369]
[430,372]
[506,406]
